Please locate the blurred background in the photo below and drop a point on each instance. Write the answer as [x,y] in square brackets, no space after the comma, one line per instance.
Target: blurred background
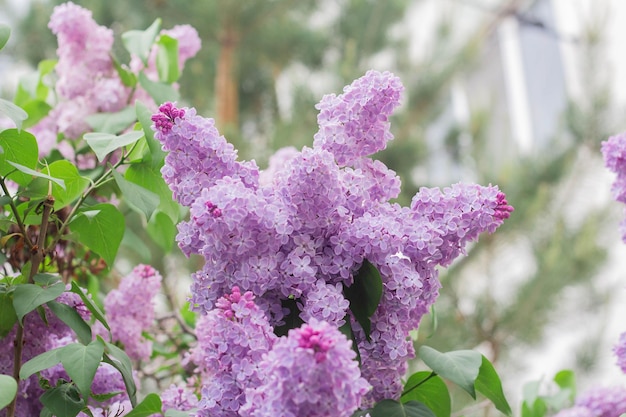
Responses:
[518,93]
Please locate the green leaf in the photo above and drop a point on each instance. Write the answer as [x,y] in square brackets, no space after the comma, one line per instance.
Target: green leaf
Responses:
[70,316]
[430,390]
[119,359]
[63,170]
[5,34]
[160,92]
[144,115]
[149,406]
[93,307]
[139,42]
[566,380]
[8,318]
[13,112]
[137,196]
[364,295]
[488,383]
[176,413]
[346,329]
[21,148]
[28,297]
[105,143]
[101,228]
[81,363]
[162,230]
[112,123]
[37,109]
[129,79]
[63,401]
[38,174]
[136,244]
[167,59]
[149,177]
[460,366]
[8,390]
[46,360]
[391,408]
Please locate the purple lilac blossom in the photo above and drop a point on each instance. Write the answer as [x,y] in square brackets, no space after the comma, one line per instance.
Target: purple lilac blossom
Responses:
[614,152]
[604,401]
[232,339]
[302,230]
[312,372]
[620,352]
[130,310]
[180,398]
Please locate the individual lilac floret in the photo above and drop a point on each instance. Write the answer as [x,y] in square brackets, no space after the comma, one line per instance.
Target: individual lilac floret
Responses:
[232,339]
[130,310]
[198,155]
[614,151]
[604,401]
[356,123]
[312,372]
[620,352]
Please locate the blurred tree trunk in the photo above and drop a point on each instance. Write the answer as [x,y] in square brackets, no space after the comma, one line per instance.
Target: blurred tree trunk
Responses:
[226,88]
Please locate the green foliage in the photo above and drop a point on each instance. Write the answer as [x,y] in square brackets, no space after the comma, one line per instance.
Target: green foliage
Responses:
[13,112]
[488,383]
[74,184]
[392,408]
[364,295]
[100,228]
[167,59]
[8,318]
[104,143]
[8,389]
[112,123]
[19,147]
[70,316]
[139,42]
[137,196]
[461,366]
[5,34]
[63,400]
[149,406]
[159,91]
[429,389]
[27,297]
[81,362]
[119,360]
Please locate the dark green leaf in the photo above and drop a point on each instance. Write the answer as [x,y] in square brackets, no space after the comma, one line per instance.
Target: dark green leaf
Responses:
[488,383]
[8,389]
[160,92]
[537,408]
[28,297]
[19,147]
[136,244]
[364,295]
[101,228]
[112,123]
[63,401]
[150,405]
[91,306]
[45,412]
[104,397]
[391,408]
[137,196]
[292,319]
[119,359]
[13,112]
[167,59]
[346,329]
[139,42]
[430,390]
[8,318]
[162,230]
[5,34]
[144,115]
[70,316]
[81,363]
[105,143]
[46,360]
[150,178]
[460,366]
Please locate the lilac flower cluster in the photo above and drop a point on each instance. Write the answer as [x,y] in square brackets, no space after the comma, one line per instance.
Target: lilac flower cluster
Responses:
[130,310]
[312,372]
[232,339]
[302,229]
[180,398]
[598,402]
[87,80]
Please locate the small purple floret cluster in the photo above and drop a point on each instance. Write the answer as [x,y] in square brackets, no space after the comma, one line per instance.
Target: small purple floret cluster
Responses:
[301,229]
[614,151]
[598,402]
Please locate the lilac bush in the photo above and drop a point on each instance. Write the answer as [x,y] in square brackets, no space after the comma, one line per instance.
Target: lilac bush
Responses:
[303,230]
